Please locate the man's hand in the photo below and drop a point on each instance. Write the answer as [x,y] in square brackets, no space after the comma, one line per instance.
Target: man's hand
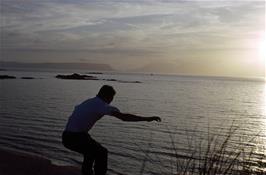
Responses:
[154,118]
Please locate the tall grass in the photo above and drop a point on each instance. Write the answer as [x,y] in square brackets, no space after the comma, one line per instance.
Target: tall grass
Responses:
[219,154]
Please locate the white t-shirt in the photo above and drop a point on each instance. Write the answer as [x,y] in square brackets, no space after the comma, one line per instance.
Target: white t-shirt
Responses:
[87,113]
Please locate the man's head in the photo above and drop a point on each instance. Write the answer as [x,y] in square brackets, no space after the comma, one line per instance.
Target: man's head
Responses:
[106,93]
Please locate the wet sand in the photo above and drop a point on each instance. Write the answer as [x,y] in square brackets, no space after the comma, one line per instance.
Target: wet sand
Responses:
[15,163]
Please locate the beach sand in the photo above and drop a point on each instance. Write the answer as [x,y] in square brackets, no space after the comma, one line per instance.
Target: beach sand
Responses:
[15,163]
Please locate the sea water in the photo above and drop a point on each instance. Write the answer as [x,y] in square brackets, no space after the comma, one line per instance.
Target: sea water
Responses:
[33,114]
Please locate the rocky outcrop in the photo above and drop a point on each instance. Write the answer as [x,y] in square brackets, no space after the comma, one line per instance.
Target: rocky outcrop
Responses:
[28,78]
[7,77]
[76,76]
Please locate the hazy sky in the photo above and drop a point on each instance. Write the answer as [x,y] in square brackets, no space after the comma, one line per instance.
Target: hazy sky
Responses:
[213,37]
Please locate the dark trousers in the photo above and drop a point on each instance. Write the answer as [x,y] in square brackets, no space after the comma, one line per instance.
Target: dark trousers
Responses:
[95,155]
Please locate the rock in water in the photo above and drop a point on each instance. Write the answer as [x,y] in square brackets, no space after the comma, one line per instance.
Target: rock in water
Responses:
[76,76]
[7,77]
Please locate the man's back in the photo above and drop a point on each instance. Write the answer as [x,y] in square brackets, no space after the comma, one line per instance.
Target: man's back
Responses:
[87,113]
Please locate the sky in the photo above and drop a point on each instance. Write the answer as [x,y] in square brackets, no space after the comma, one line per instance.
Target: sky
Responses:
[211,37]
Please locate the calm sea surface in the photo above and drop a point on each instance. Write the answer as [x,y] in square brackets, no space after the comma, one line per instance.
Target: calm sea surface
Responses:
[33,114]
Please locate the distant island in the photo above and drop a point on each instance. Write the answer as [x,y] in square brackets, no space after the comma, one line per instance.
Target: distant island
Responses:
[27,78]
[13,77]
[97,73]
[85,66]
[7,77]
[76,76]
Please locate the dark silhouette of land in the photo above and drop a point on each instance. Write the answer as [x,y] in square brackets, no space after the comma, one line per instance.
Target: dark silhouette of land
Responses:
[76,76]
[73,76]
[27,78]
[97,73]
[7,77]
[14,163]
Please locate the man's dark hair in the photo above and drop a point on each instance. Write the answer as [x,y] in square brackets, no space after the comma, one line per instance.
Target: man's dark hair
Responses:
[106,91]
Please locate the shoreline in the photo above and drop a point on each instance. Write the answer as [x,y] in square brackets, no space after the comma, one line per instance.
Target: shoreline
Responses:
[17,163]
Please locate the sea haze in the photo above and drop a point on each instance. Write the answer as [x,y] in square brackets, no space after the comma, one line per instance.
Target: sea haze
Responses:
[34,112]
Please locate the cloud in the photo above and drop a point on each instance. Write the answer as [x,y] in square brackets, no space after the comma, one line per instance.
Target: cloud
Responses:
[118,30]
[28,17]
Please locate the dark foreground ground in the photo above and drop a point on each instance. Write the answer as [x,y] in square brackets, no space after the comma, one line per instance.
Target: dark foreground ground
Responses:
[14,163]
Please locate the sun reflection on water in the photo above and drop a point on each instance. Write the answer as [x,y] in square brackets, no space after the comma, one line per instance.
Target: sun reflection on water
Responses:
[260,141]
[263,116]
[263,104]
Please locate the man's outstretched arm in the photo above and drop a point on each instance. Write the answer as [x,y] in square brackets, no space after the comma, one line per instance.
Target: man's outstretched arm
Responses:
[134,118]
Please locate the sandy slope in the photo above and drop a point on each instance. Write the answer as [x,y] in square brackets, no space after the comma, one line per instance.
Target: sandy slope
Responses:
[14,163]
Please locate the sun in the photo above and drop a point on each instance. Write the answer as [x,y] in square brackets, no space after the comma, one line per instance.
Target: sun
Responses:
[262,49]
[262,54]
